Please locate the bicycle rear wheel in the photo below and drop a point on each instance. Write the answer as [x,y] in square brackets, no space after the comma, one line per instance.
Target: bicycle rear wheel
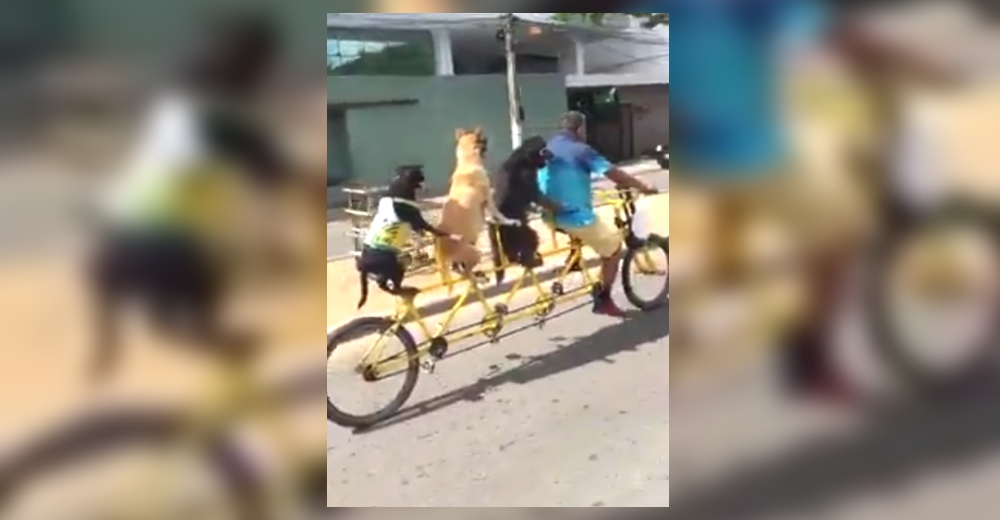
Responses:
[344,342]
[644,259]
[109,438]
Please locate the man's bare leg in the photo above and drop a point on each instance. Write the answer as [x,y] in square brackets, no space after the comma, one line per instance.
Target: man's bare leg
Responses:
[603,304]
[610,268]
[807,356]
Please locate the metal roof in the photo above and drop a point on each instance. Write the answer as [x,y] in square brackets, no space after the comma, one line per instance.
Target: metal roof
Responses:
[482,20]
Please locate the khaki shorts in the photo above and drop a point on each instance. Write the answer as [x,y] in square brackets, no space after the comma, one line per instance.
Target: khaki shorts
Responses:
[600,236]
[818,212]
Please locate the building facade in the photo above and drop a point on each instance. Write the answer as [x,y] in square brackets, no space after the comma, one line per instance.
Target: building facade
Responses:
[399,86]
[636,76]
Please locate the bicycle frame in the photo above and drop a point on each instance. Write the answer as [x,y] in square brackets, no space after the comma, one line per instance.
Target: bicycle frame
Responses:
[496,316]
[490,326]
[235,392]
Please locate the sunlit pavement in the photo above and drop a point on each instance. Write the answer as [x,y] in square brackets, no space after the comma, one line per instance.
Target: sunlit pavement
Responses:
[743,450]
[574,414]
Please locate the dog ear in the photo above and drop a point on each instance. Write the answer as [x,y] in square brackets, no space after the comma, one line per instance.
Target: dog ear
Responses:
[478,132]
[460,132]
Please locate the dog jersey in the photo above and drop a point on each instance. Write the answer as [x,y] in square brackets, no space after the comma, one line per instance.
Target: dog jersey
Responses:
[188,170]
[393,225]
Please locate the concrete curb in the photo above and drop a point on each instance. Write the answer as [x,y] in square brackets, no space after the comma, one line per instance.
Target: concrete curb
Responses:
[443,305]
[339,257]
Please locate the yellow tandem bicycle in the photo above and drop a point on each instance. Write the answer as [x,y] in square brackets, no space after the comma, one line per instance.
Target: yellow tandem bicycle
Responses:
[375,365]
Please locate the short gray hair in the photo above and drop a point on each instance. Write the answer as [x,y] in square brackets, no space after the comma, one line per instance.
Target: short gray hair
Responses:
[572,121]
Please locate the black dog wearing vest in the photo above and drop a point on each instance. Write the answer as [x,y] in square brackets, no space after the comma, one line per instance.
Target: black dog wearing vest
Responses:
[398,216]
[516,191]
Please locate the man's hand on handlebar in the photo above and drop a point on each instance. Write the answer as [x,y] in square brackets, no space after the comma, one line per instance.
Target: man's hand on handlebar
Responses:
[640,188]
[624,180]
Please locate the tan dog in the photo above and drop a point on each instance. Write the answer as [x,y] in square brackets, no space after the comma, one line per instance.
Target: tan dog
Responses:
[470,201]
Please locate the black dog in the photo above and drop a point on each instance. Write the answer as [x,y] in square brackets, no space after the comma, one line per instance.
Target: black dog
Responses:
[516,191]
[397,217]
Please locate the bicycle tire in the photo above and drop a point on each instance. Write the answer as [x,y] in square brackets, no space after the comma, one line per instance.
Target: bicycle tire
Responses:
[663,296]
[377,325]
[106,432]
[889,342]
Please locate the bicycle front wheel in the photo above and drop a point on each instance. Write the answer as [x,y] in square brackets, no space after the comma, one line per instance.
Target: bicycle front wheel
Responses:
[355,351]
[933,298]
[646,273]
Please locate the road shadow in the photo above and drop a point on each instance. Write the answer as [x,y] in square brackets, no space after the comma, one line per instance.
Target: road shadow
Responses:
[636,329]
[897,446]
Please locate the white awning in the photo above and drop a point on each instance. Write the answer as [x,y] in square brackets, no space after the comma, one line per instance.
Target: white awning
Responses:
[430,21]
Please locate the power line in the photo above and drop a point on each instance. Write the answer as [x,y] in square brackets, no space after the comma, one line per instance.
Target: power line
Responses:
[631,62]
[608,45]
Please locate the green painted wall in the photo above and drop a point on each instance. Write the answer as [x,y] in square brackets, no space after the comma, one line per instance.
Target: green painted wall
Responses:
[384,136]
[150,32]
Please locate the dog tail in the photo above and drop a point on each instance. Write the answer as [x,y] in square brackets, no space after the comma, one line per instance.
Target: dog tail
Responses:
[496,248]
[364,289]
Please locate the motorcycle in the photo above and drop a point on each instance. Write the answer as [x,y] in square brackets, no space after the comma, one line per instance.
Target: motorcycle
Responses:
[660,154]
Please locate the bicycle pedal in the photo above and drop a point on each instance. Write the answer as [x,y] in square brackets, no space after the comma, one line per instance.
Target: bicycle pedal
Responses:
[438,348]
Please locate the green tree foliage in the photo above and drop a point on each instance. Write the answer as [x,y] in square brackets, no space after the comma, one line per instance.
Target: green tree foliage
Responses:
[649,20]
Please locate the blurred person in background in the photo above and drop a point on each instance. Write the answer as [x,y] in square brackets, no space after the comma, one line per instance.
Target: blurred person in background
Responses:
[729,140]
[166,217]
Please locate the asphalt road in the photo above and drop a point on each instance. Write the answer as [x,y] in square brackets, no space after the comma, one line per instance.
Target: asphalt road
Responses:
[572,415]
[742,449]
[745,451]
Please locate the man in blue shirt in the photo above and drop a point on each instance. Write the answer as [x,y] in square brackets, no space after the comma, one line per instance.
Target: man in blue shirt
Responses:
[728,136]
[566,180]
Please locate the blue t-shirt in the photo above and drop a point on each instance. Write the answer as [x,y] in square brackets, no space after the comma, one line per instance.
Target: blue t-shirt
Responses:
[725,114]
[566,179]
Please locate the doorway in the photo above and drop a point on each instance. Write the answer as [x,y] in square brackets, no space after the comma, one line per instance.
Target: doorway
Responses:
[338,148]
[610,123]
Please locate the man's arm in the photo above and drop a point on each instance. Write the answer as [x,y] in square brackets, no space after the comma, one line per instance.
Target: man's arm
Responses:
[876,55]
[878,61]
[596,163]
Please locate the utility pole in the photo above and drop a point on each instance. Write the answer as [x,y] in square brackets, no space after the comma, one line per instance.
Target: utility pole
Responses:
[513,99]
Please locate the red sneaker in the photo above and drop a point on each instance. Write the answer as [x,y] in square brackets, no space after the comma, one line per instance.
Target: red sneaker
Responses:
[809,373]
[829,388]
[607,307]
